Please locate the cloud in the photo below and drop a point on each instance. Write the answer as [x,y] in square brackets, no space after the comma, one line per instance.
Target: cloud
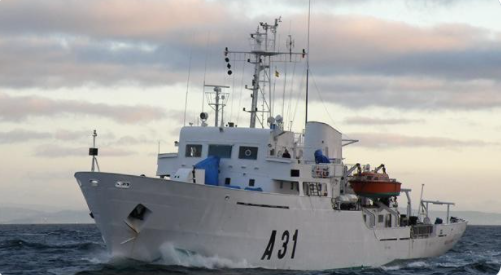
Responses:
[68,44]
[110,19]
[115,152]
[67,135]
[429,4]
[379,121]
[18,108]
[408,92]
[20,135]
[58,151]
[132,140]
[387,141]
[358,61]
[372,46]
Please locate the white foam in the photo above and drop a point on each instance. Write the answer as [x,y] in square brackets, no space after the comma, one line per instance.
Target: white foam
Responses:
[173,256]
[391,267]
[419,264]
[100,257]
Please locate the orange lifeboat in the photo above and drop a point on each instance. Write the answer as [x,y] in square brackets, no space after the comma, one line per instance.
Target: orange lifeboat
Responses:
[375,185]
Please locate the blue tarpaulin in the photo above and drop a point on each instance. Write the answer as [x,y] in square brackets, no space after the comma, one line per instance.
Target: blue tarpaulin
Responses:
[320,158]
[211,167]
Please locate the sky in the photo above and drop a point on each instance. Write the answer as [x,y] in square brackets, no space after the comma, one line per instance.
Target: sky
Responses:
[416,81]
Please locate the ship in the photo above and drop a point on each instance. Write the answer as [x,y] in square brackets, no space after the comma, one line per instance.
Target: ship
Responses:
[263,195]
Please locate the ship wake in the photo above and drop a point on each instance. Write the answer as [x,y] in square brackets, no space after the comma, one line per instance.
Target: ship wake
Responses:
[180,257]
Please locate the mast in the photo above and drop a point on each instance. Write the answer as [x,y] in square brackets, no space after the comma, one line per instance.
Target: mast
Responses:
[261,56]
[187,89]
[93,151]
[217,100]
[420,203]
[255,89]
[307,66]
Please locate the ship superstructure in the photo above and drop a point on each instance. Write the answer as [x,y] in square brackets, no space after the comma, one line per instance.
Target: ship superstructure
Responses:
[265,196]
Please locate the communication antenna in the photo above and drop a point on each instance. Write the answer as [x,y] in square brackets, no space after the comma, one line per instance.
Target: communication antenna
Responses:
[187,89]
[205,69]
[93,151]
[307,65]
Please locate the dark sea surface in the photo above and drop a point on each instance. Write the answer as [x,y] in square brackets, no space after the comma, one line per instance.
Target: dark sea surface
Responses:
[78,249]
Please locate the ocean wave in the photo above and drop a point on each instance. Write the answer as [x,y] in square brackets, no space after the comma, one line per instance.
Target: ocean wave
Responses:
[480,267]
[391,267]
[418,264]
[97,257]
[174,256]
[20,243]
[79,249]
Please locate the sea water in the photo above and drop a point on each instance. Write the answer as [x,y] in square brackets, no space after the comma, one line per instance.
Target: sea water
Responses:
[79,249]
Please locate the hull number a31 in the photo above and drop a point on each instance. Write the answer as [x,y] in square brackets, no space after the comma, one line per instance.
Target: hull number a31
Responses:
[283,245]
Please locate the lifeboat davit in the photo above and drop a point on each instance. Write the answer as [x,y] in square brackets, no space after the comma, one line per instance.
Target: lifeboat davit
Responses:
[375,185]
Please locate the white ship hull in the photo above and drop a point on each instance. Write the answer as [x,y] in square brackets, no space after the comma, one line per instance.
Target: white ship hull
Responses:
[266,230]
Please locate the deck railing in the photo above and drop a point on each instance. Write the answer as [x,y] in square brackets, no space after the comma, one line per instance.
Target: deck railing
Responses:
[421,231]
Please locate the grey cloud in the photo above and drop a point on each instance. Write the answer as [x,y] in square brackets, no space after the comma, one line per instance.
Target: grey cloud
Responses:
[48,62]
[430,4]
[387,141]
[463,64]
[67,135]
[370,46]
[329,4]
[21,135]
[132,140]
[116,152]
[58,151]
[432,94]
[92,44]
[379,121]
[99,45]
[48,175]
[110,19]
[18,108]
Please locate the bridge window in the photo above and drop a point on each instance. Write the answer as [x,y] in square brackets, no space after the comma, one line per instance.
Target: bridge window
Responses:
[247,152]
[222,151]
[193,150]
